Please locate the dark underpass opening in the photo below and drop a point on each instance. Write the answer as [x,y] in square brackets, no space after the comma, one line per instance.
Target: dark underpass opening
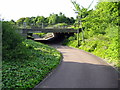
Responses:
[57,39]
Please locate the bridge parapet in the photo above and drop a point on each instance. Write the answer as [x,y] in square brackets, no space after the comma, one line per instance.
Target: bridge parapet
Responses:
[55,30]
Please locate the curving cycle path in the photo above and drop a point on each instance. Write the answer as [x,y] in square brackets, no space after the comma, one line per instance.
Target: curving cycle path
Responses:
[80,69]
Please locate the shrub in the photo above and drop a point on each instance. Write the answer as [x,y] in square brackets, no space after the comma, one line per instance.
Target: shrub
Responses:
[10,40]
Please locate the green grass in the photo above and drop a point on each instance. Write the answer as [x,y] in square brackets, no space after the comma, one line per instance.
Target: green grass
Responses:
[27,71]
[40,34]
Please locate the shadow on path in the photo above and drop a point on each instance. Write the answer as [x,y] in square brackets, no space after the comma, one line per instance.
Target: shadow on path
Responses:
[81,75]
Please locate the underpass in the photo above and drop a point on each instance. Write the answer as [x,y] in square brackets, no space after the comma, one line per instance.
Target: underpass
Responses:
[59,34]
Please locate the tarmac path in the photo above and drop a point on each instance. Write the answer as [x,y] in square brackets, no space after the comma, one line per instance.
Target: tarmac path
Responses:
[80,69]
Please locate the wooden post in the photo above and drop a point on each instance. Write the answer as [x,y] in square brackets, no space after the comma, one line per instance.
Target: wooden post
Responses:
[82,34]
[82,30]
[78,37]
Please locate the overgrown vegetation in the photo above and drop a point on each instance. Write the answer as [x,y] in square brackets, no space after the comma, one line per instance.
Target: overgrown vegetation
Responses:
[100,31]
[25,62]
[41,35]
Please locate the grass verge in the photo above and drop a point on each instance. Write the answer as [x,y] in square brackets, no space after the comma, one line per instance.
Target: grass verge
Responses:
[28,71]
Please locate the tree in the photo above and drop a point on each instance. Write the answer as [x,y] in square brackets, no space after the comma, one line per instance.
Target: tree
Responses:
[12,22]
[106,13]
[61,18]
[32,21]
[27,21]
[70,20]
[10,39]
[53,18]
[82,12]
[40,20]
[20,21]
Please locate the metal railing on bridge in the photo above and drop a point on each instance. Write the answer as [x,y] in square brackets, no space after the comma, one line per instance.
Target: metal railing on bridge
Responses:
[48,30]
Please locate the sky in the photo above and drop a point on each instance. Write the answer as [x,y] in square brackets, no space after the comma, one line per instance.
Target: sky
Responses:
[15,9]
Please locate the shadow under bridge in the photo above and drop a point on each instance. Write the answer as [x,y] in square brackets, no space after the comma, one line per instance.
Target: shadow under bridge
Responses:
[59,34]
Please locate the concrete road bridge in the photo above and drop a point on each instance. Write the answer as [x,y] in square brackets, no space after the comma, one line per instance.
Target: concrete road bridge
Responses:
[55,31]
[58,32]
[51,30]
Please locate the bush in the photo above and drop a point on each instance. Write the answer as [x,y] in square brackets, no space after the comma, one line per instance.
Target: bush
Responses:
[60,25]
[10,40]
[40,34]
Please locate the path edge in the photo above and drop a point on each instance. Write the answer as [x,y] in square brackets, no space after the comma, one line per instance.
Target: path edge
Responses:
[117,70]
[52,71]
[100,58]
